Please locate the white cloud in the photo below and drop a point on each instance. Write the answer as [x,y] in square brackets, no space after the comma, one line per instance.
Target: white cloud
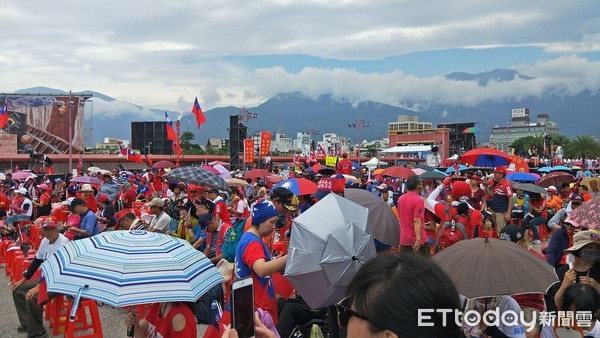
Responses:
[112,109]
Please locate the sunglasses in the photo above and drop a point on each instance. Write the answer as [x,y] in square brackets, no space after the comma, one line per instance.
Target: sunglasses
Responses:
[344,312]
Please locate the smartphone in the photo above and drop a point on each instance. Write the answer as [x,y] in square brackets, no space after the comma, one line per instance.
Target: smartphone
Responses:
[242,295]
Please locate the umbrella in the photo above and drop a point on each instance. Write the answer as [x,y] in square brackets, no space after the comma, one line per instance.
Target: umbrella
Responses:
[198,176]
[424,167]
[213,163]
[92,169]
[236,182]
[451,170]
[433,175]
[398,171]
[382,219]
[87,179]
[23,175]
[544,169]
[273,179]
[521,177]
[223,172]
[298,186]
[124,268]
[256,173]
[326,171]
[472,130]
[529,187]
[378,171]
[587,214]
[211,169]
[485,157]
[316,167]
[556,179]
[418,171]
[483,267]
[351,178]
[127,172]
[560,168]
[355,165]
[328,245]
[163,164]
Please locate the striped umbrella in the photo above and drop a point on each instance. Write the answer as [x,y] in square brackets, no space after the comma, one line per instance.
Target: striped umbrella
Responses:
[472,130]
[197,175]
[124,268]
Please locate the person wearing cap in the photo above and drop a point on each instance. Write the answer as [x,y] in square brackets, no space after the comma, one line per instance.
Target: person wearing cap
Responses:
[478,198]
[344,166]
[108,186]
[43,205]
[561,239]
[238,205]
[58,191]
[216,232]
[160,222]
[585,268]
[558,219]
[553,202]
[142,189]
[411,216]
[253,257]
[88,224]
[500,190]
[594,191]
[179,194]
[21,207]
[25,292]
[129,221]
[531,304]
[221,213]
[459,210]
[87,194]
[129,195]
[105,214]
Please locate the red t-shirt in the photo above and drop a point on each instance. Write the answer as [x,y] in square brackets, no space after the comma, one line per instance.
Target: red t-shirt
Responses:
[253,252]
[130,195]
[164,325]
[474,220]
[538,204]
[4,202]
[91,203]
[344,166]
[411,206]
[221,210]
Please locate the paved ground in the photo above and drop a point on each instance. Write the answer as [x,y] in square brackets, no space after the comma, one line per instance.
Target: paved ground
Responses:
[112,319]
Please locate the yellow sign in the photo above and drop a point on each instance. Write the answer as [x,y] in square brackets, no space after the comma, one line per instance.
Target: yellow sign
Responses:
[330,161]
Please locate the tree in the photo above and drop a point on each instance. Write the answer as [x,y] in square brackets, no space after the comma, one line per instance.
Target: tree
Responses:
[208,147]
[583,147]
[522,145]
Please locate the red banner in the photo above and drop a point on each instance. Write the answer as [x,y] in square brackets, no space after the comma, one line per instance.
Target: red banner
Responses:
[265,143]
[248,150]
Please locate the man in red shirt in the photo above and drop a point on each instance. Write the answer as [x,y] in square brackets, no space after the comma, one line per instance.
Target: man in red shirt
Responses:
[4,200]
[500,190]
[411,213]
[221,213]
[344,166]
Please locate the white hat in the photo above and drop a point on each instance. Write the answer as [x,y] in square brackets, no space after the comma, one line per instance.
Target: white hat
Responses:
[21,191]
[551,188]
[86,188]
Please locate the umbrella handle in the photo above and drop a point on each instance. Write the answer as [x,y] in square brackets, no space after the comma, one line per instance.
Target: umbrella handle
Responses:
[130,331]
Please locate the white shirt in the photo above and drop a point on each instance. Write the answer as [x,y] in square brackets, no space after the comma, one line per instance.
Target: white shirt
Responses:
[506,303]
[161,222]
[46,249]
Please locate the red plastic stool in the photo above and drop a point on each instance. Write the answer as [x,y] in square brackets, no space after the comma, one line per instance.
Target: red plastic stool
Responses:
[83,323]
[57,314]
[3,247]
[17,268]
[10,261]
[35,233]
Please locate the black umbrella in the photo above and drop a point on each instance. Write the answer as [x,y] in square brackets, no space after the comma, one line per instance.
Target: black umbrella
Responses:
[529,187]
[197,175]
[435,175]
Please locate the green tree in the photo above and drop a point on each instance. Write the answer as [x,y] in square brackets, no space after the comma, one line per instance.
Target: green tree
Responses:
[208,148]
[583,147]
[523,144]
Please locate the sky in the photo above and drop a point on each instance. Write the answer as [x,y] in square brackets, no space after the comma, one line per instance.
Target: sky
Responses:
[163,54]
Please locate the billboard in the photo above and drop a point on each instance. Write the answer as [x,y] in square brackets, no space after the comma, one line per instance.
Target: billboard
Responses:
[41,122]
[521,112]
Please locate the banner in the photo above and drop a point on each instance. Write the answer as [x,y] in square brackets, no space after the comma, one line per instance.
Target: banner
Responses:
[265,143]
[248,150]
[518,164]
[330,161]
[320,152]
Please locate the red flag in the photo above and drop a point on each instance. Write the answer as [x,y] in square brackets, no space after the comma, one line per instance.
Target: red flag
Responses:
[296,158]
[148,160]
[320,152]
[4,114]
[248,150]
[80,164]
[134,157]
[197,111]
[265,143]
[170,130]
[217,325]
[122,149]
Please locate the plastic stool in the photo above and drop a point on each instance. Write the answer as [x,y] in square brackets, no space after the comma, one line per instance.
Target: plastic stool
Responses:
[35,236]
[84,324]
[10,260]
[3,247]
[57,313]
[17,268]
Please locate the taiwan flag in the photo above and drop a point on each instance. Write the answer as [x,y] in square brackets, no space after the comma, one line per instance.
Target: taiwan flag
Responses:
[4,114]
[218,323]
[197,111]
[134,157]
[170,130]
[122,149]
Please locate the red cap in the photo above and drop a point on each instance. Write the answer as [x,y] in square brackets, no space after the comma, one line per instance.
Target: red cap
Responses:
[344,154]
[103,198]
[460,189]
[501,170]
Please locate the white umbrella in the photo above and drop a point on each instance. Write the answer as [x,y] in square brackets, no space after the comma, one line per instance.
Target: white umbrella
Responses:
[328,245]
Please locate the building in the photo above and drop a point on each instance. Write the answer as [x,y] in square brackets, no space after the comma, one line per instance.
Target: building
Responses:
[110,145]
[282,144]
[459,141]
[408,131]
[520,125]
[302,142]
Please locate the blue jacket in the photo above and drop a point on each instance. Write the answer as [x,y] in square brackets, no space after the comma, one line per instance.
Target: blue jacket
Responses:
[556,248]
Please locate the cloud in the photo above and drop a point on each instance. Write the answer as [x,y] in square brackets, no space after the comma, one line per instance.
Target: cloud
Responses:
[101,109]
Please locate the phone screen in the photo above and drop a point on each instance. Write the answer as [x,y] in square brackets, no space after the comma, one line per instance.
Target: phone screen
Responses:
[243,310]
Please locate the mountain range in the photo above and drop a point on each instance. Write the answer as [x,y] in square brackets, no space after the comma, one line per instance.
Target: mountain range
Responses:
[293,112]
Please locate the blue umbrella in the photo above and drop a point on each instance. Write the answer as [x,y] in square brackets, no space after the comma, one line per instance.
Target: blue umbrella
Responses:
[521,177]
[355,165]
[560,168]
[124,268]
[451,170]
[544,170]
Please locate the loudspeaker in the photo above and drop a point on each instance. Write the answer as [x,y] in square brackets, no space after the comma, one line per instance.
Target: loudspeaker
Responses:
[237,134]
[153,134]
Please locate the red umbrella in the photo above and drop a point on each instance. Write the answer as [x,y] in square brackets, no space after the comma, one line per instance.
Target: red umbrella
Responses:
[298,186]
[556,179]
[485,157]
[163,164]
[398,171]
[273,179]
[256,173]
[587,214]
[211,169]
[315,168]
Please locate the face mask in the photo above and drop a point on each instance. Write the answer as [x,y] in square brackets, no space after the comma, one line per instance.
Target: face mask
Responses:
[590,255]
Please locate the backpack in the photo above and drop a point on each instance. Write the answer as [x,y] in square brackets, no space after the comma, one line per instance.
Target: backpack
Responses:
[451,232]
[232,238]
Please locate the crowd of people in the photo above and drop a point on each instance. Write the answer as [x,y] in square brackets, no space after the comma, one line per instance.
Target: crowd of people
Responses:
[383,297]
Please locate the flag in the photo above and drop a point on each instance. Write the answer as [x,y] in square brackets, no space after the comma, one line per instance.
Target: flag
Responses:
[218,323]
[148,160]
[265,143]
[197,111]
[4,114]
[248,150]
[320,151]
[176,148]
[170,130]
[296,158]
[122,149]
[134,157]
[80,164]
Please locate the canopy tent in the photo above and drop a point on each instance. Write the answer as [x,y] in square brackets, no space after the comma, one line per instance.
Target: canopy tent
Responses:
[407,149]
[374,162]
